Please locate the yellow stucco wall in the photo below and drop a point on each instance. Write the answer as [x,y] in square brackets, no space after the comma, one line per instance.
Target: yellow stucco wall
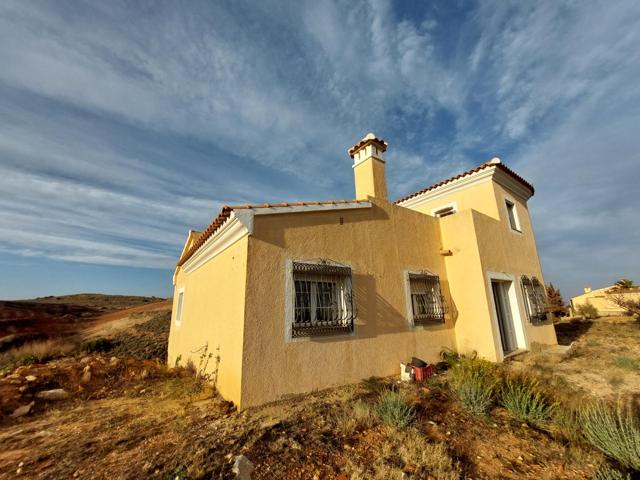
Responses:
[213,314]
[369,177]
[380,244]
[480,197]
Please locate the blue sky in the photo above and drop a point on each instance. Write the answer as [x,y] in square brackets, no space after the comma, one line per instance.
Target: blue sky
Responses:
[124,124]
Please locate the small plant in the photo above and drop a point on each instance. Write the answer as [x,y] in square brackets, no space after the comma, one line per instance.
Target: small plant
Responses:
[354,415]
[474,382]
[627,363]
[393,409]
[376,385]
[525,402]
[35,352]
[567,422]
[614,430]
[98,345]
[605,472]
[616,381]
[587,310]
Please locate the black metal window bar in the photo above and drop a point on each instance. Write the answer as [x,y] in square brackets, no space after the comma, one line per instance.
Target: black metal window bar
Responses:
[323,299]
[535,299]
[427,302]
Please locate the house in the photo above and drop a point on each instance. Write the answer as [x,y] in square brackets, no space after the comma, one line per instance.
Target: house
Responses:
[295,297]
[603,299]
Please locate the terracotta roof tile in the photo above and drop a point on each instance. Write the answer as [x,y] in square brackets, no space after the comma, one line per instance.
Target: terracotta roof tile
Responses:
[225,213]
[479,168]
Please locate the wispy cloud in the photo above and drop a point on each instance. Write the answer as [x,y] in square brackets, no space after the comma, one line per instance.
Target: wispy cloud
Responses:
[125,124]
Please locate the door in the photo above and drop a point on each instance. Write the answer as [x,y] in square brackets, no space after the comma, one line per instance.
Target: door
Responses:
[505,317]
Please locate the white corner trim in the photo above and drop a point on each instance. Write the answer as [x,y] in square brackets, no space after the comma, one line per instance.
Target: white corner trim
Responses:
[453,205]
[229,233]
[484,175]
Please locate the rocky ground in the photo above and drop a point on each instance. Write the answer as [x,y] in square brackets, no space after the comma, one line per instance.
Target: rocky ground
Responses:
[112,409]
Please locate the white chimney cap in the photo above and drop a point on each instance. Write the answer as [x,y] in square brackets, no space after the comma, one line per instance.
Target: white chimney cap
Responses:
[494,161]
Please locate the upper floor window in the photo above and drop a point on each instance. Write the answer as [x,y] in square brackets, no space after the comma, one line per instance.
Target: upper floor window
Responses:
[445,210]
[323,299]
[535,299]
[512,213]
[427,303]
[179,305]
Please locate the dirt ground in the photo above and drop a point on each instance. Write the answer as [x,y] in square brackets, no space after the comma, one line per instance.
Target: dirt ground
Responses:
[603,359]
[133,417]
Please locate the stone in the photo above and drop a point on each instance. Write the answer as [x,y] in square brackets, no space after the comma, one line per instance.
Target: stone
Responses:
[85,359]
[22,410]
[55,394]
[31,378]
[144,374]
[242,468]
[86,377]
[114,361]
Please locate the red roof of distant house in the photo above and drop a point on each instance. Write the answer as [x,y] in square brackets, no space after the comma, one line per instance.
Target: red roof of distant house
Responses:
[479,168]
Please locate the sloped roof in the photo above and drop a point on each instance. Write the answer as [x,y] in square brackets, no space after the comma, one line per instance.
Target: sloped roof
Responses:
[485,165]
[225,213]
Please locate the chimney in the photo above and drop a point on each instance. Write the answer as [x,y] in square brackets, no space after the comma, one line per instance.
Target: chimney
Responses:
[368,167]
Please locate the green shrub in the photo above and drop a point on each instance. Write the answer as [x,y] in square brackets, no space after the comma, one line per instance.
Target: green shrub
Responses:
[587,310]
[607,473]
[525,402]
[627,363]
[474,382]
[393,409]
[614,430]
[98,345]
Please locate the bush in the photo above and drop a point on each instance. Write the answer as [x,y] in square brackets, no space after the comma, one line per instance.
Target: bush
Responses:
[614,431]
[98,345]
[607,473]
[587,310]
[627,363]
[393,409]
[474,383]
[36,352]
[525,402]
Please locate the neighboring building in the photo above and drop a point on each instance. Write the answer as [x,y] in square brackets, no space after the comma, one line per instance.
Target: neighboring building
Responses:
[601,298]
[296,297]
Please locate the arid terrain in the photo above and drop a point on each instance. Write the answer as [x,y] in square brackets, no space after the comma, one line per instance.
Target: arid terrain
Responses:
[125,414]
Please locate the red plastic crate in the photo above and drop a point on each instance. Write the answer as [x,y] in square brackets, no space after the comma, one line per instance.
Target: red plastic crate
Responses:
[422,373]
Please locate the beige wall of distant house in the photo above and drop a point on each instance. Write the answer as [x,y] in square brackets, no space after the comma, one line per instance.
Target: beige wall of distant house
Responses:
[380,244]
[602,300]
[213,315]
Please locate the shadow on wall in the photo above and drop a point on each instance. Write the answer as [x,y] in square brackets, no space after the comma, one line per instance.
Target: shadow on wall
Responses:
[375,316]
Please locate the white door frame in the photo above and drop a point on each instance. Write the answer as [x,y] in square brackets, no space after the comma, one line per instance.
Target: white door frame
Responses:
[516,313]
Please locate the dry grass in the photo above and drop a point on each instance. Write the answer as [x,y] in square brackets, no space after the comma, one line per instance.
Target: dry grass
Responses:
[352,416]
[407,451]
[38,351]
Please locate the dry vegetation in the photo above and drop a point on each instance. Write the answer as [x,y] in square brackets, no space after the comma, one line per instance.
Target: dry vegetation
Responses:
[133,417]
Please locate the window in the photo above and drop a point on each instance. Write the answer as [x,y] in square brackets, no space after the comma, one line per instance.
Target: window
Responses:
[179,307]
[513,215]
[445,210]
[535,299]
[427,305]
[323,299]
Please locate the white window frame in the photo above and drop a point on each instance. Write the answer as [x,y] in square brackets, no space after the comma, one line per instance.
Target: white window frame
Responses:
[516,312]
[179,307]
[516,218]
[409,299]
[452,205]
[290,302]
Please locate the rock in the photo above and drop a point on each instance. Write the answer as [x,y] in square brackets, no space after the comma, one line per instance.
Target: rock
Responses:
[242,468]
[23,388]
[55,394]
[85,359]
[14,376]
[86,376]
[114,361]
[31,378]
[22,410]
[144,374]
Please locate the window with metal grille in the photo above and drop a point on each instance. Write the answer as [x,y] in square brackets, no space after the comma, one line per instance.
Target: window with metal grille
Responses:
[427,302]
[323,299]
[535,299]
